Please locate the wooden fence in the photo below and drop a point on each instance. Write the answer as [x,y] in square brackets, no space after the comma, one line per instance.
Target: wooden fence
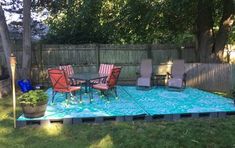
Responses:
[87,57]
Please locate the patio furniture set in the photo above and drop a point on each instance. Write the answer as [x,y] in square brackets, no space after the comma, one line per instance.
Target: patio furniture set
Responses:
[64,80]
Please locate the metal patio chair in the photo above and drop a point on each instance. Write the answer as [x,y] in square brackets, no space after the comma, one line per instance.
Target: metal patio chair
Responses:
[103,69]
[60,83]
[111,83]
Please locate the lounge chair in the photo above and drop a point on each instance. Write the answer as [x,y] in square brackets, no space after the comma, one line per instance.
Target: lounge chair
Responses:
[146,70]
[60,83]
[177,77]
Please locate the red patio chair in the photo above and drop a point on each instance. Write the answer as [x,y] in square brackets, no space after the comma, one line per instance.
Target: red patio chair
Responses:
[69,71]
[111,82]
[60,83]
[104,69]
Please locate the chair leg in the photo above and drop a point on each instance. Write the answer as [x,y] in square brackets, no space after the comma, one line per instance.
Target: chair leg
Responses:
[102,93]
[106,95]
[72,94]
[80,96]
[115,91]
[91,95]
[53,95]
[66,96]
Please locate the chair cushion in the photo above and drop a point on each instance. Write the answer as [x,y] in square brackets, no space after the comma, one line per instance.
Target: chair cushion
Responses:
[146,68]
[70,89]
[101,86]
[74,88]
[178,69]
[175,82]
[68,69]
[105,68]
[144,81]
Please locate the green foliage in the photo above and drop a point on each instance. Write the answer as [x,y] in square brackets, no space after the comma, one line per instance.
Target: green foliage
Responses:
[232,36]
[122,21]
[33,97]
[78,23]
[126,21]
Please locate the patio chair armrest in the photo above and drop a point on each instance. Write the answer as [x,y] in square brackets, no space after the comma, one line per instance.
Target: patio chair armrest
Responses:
[103,80]
[70,80]
[169,75]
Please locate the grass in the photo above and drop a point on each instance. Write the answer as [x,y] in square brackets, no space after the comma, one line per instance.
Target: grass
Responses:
[205,132]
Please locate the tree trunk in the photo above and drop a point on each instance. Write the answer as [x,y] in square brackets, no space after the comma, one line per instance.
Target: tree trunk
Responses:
[5,38]
[204,30]
[26,63]
[225,27]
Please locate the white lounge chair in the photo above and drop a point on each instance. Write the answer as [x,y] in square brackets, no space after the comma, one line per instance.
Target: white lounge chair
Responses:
[177,77]
[146,70]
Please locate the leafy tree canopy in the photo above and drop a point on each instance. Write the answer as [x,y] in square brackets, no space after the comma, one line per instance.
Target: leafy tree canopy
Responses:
[117,21]
[121,21]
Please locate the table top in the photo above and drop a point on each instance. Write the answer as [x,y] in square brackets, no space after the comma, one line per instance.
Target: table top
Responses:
[88,76]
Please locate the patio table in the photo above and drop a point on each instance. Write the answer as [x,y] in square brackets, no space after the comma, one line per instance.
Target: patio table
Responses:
[87,77]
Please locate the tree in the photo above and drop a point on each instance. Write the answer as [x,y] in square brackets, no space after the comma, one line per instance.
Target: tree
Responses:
[225,28]
[204,30]
[15,8]
[26,64]
[206,22]
[107,21]
[211,42]
[5,38]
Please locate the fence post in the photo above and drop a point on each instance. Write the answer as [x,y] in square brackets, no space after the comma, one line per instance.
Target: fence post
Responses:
[232,76]
[97,49]
[179,51]
[149,51]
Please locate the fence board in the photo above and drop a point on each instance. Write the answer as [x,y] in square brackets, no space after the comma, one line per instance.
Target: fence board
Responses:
[217,77]
[87,57]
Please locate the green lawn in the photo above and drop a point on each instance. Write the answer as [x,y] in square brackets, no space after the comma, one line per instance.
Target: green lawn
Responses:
[183,133]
